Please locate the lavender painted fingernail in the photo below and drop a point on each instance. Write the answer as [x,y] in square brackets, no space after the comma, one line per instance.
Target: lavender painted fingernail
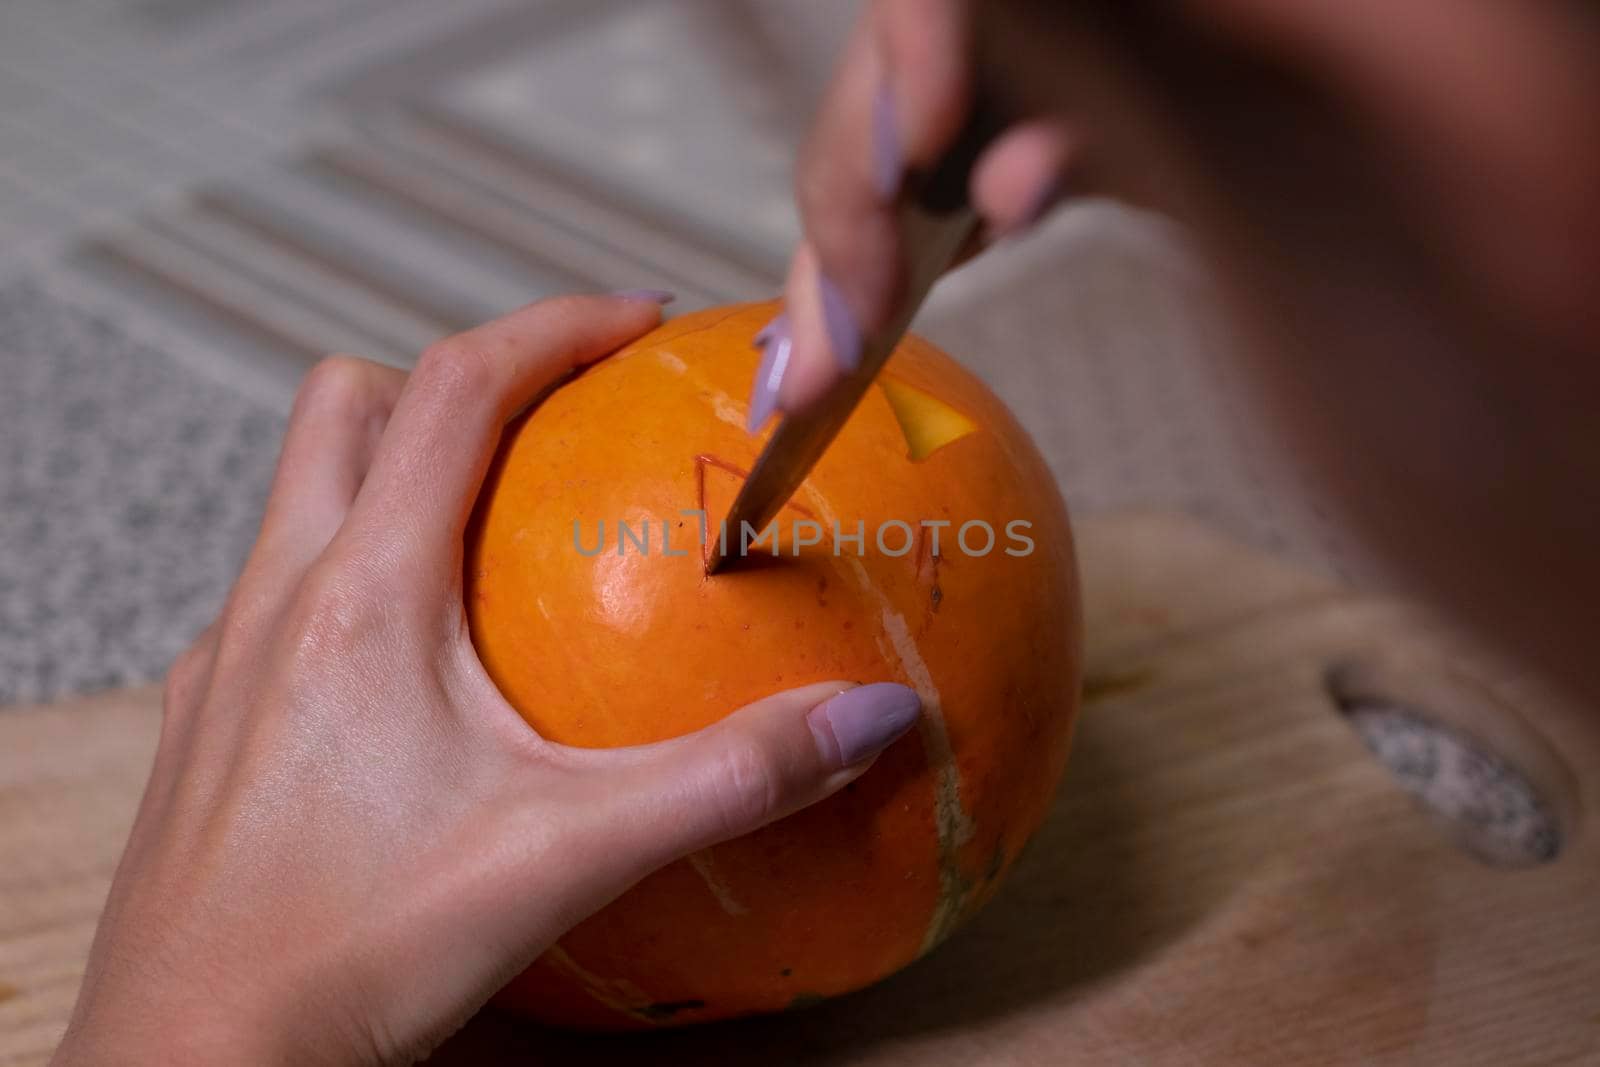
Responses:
[885,144]
[844,336]
[654,296]
[862,722]
[775,341]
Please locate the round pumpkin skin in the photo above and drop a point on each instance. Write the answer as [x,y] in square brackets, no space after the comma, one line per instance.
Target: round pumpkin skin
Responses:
[607,650]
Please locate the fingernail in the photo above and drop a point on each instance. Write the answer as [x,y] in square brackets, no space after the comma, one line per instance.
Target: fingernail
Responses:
[654,296]
[843,334]
[885,144]
[862,722]
[775,341]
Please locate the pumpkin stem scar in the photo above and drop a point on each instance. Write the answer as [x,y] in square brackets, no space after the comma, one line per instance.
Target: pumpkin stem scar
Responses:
[927,422]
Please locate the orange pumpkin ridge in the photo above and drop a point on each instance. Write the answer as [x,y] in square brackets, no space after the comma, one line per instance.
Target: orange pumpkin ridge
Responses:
[625,646]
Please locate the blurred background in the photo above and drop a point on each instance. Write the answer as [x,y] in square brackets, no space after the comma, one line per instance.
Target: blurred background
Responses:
[199,198]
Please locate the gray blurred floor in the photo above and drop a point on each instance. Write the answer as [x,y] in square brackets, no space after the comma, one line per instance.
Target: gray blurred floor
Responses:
[198,199]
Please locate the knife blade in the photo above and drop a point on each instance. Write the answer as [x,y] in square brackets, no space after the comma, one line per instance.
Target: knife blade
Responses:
[935,222]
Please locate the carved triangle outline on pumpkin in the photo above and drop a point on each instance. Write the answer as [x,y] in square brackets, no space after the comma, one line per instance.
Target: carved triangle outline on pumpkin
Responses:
[715,508]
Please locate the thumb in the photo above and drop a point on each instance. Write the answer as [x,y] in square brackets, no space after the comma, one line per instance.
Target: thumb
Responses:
[765,761]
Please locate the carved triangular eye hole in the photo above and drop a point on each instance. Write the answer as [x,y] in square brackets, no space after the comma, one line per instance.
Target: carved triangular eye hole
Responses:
[928,422]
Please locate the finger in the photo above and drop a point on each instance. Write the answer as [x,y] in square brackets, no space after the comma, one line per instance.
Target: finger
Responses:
[1014,184]
[897,100]
[1021,176]
[925,46]
[763,762]
[448,421]
[189,677]
[845,182]
[339,415]
[790,376]
[183,693]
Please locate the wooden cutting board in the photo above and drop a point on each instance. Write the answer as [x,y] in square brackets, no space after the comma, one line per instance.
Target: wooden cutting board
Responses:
[1228,875]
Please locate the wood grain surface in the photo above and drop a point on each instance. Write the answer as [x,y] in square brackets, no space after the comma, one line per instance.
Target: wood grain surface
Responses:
[1228,876]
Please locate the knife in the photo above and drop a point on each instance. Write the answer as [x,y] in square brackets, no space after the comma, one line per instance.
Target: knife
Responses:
[936,221]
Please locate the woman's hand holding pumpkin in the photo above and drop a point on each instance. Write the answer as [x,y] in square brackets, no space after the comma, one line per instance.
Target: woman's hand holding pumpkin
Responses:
[349,840]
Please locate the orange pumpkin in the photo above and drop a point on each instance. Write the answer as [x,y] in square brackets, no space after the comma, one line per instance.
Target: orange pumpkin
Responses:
[631,645]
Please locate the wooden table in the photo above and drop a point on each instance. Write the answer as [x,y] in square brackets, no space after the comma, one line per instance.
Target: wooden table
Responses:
[1228,876]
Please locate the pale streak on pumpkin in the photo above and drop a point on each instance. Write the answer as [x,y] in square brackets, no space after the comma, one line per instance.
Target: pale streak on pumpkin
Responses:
[704,866]
[619,994]
[951,820]
[723,406]
[672,362]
